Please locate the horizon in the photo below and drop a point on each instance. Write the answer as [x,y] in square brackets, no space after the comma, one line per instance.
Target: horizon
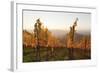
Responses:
[59,31]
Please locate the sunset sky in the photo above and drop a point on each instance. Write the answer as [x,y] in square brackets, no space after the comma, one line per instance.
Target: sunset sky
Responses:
[56,20]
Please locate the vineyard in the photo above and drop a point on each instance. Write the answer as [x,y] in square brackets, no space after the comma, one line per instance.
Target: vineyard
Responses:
[41,45]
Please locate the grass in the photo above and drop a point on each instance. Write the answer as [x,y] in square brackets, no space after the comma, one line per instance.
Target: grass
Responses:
[58,54]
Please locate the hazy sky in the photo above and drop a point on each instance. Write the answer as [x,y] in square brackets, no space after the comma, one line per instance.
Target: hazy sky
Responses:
[56,20]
